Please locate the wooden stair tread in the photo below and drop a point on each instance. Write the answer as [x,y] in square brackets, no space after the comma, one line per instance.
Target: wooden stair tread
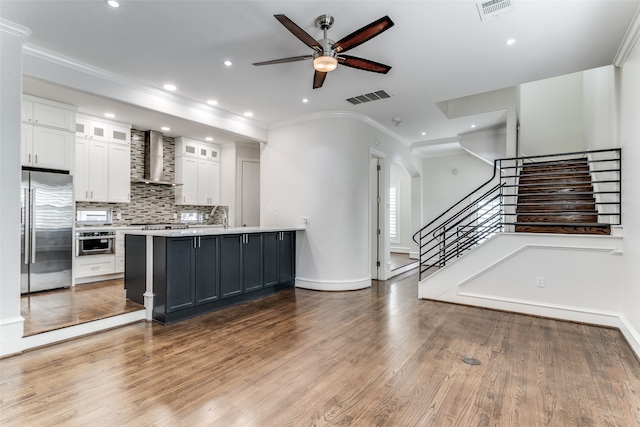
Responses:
[557,197]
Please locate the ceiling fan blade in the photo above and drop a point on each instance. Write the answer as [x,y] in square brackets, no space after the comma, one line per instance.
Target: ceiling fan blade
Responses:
[363,34]
[363,64]
[299,32]
[283,60]
[318,79]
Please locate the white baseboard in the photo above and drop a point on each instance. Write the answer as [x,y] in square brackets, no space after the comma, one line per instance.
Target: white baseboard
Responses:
[63,334]
[333,285]
[11,330]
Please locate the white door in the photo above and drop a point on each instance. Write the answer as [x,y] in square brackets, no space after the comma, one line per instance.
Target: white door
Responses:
[250,197]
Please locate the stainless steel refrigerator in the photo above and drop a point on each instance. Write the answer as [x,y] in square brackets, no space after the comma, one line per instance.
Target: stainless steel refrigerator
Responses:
[46,234]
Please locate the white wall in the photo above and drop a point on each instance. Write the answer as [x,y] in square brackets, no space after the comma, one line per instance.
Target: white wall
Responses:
[551,116]
[629,93]
[489,145]
[320,169]
[11,322]
[450,178]
[403,181]
[600,108]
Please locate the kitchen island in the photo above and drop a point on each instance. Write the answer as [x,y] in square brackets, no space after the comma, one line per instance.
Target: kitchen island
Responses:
[179,274]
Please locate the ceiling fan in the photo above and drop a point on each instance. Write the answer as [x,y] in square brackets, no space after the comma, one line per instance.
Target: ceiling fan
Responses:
[327,54]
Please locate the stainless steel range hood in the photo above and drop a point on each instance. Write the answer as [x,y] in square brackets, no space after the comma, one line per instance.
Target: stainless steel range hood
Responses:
[153,160]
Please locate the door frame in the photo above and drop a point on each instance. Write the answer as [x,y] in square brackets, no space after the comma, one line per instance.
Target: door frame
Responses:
[239,180]
[378,241]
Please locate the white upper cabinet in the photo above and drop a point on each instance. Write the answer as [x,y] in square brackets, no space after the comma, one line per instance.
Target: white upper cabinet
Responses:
[103,160]
[97,129]
[91,173]
[47,133]
[198,170]
[43,112]
[119,173]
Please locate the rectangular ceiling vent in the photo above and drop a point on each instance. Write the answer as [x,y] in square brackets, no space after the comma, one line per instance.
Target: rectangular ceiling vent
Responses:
[367,97]
[493,8]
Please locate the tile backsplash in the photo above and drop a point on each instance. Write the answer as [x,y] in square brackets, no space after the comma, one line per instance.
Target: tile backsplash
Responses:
[152,203]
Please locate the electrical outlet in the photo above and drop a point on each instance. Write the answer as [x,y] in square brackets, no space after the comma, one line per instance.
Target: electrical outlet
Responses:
[540,282]
[119,215]
[304,220]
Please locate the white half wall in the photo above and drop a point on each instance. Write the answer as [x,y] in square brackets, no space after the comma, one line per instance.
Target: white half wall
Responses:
[581,278]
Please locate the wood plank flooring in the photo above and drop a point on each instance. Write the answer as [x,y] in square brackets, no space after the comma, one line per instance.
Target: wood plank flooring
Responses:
[55,309]
[375,357]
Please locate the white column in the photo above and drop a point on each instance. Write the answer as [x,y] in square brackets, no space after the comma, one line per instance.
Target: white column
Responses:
[12,37]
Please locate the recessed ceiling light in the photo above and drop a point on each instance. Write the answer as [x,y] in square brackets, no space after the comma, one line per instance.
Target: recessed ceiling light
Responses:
[112,3]
[424,133]
[228,63]
[170,87]
[165,128]
[109,115]
[248,114]
[209,139]
[212,102]
[472,126]
[305,100]
[510,42]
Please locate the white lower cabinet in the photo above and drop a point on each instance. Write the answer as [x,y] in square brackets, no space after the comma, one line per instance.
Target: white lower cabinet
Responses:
[87,267]
[94,265]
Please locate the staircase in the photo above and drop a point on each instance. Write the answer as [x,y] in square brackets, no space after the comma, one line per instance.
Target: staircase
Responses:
[568,193]
[557,197]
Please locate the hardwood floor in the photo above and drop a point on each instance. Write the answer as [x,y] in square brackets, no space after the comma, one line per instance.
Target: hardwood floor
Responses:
[377,356]
[50,310]
[399,260]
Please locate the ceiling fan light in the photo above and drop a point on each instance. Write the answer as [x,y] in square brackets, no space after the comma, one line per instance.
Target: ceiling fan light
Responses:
[325,63]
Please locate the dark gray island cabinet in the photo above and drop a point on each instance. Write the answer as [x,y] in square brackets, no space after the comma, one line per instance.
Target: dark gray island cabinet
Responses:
[197,273]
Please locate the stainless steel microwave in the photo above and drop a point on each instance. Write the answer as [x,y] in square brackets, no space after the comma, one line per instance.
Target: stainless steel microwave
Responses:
[95,243]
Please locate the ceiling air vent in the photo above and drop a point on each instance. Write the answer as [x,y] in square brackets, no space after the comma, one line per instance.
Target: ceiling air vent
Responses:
[367,97]
[493,8]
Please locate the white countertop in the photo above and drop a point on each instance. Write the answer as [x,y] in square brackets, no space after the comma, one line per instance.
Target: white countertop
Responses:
[211,231]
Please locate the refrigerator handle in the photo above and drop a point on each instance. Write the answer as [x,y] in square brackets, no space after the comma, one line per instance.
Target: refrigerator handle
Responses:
[33,225]
[26,211]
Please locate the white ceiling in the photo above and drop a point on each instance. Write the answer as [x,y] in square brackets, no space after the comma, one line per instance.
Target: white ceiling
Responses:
[439,50]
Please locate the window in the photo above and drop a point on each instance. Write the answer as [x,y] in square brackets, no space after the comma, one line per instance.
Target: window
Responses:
[394,212]
[190,217]
[489,217]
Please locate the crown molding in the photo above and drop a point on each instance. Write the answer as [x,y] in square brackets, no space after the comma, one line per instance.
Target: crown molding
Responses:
[341,115]
[64,61]
[628,41]
[14,29]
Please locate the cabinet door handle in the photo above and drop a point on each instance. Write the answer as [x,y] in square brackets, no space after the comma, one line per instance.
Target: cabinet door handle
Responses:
[92,194]
[36,159]
[194,242]
[29,158]
[86,194]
